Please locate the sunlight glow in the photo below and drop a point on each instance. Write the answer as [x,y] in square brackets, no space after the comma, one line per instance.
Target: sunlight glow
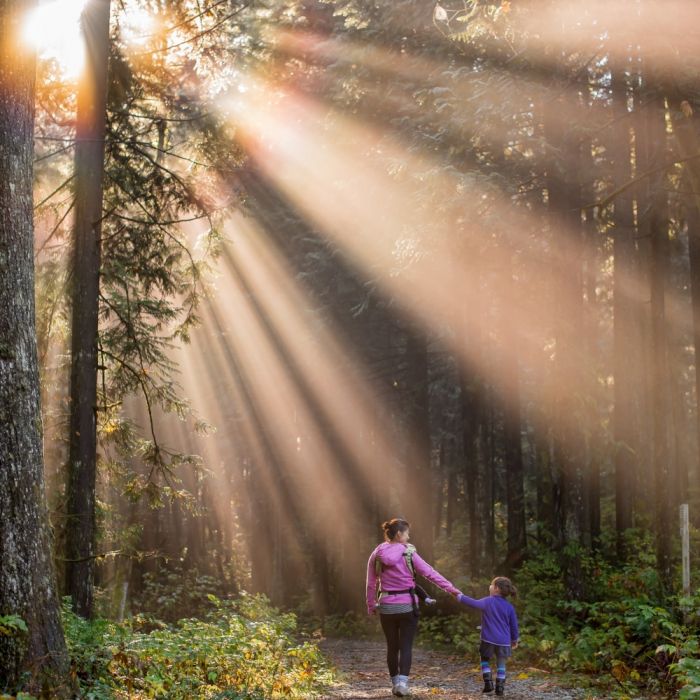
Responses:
[138,26]
[53,29]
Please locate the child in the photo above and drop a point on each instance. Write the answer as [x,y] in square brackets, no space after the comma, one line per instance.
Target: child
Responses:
[499,630]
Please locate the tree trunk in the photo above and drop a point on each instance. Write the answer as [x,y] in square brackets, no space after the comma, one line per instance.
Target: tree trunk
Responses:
[693,221]
[451,505]
[623,320]
[27,581]
[441,478]
[471,406]
[656,141]
[510,400]
[89,166]
[419,492]
[564,211]
[595,438]
[544,484]
[685,132]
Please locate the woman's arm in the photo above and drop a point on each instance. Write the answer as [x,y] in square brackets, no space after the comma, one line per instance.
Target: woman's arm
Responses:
[371,585]
[432,575]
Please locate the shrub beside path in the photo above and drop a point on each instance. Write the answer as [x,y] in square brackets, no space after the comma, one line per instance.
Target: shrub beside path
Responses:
[362,675]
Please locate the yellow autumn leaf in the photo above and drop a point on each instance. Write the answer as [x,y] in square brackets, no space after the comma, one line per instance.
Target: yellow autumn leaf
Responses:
[522,676]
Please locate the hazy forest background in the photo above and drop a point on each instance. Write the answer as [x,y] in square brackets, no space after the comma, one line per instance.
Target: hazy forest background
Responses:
[300,266]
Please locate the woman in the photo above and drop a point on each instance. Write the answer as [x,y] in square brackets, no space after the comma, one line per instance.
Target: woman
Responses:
[389,566]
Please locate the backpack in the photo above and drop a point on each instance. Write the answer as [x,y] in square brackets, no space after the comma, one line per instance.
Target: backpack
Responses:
[407,555]
[408,558]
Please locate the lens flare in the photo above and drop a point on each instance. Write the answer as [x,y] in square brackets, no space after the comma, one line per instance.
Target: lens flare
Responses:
[53,30]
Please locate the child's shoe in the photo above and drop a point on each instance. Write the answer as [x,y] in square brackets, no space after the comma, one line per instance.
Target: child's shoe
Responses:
[488,685]
[500,687]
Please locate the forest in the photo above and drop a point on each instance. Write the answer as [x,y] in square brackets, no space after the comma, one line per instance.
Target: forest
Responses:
[273,272]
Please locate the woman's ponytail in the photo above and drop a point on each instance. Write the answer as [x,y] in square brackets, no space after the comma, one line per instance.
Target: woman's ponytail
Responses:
[393,527]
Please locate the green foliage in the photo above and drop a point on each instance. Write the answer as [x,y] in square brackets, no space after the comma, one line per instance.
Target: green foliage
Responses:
[624,632]
[687,670]
[170,591]
[685,655]
[457,632]
[619,631]
[245,650]
[12,625]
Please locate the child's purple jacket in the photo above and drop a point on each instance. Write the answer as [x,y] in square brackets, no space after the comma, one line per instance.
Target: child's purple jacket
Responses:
[396,576]
[499,623]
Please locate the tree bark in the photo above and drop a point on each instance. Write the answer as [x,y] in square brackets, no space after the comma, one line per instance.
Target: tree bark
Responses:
[471,406]
[623,319]
[419,492]
[595,437]
[515,487]
[27,581]
[693,222]
[685,131]
[89,166]
[564,211]
[656,140]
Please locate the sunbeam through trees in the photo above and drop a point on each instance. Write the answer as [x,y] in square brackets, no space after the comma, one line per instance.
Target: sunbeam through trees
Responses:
[304,266]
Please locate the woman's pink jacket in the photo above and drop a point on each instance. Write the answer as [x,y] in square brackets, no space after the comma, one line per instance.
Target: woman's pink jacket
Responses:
[396,576]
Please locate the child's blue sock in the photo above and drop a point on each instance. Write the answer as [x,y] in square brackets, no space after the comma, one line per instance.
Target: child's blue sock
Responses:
[485,669]
[501,673]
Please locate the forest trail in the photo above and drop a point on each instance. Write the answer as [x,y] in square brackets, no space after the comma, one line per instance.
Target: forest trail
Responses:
[435,675]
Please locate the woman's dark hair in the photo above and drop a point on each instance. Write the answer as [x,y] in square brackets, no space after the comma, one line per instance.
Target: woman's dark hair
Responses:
[391,527]
[505,586]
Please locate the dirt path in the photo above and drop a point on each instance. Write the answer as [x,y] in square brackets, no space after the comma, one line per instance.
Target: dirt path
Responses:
[362,675]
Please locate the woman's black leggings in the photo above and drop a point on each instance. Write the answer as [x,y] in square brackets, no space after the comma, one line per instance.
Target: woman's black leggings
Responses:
[399,630]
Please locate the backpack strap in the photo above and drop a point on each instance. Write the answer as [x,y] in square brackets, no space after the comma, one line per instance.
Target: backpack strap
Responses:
[408,556]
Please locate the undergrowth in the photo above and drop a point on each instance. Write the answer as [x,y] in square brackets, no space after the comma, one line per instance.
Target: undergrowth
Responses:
[242,650]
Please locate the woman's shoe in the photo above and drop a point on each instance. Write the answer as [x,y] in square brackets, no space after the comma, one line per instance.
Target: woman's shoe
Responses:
[401,689]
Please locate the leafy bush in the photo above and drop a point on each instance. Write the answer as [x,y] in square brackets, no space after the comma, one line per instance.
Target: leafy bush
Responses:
[687,670]
[624,630]
[173,590]
[460,632]
[244,650]
[12,625]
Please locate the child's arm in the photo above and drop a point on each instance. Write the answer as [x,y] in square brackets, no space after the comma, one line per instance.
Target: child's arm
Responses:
[514,631]
[472,602]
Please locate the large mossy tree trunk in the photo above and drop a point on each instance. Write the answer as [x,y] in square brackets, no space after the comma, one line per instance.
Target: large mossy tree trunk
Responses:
[89,166]
[38,657]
